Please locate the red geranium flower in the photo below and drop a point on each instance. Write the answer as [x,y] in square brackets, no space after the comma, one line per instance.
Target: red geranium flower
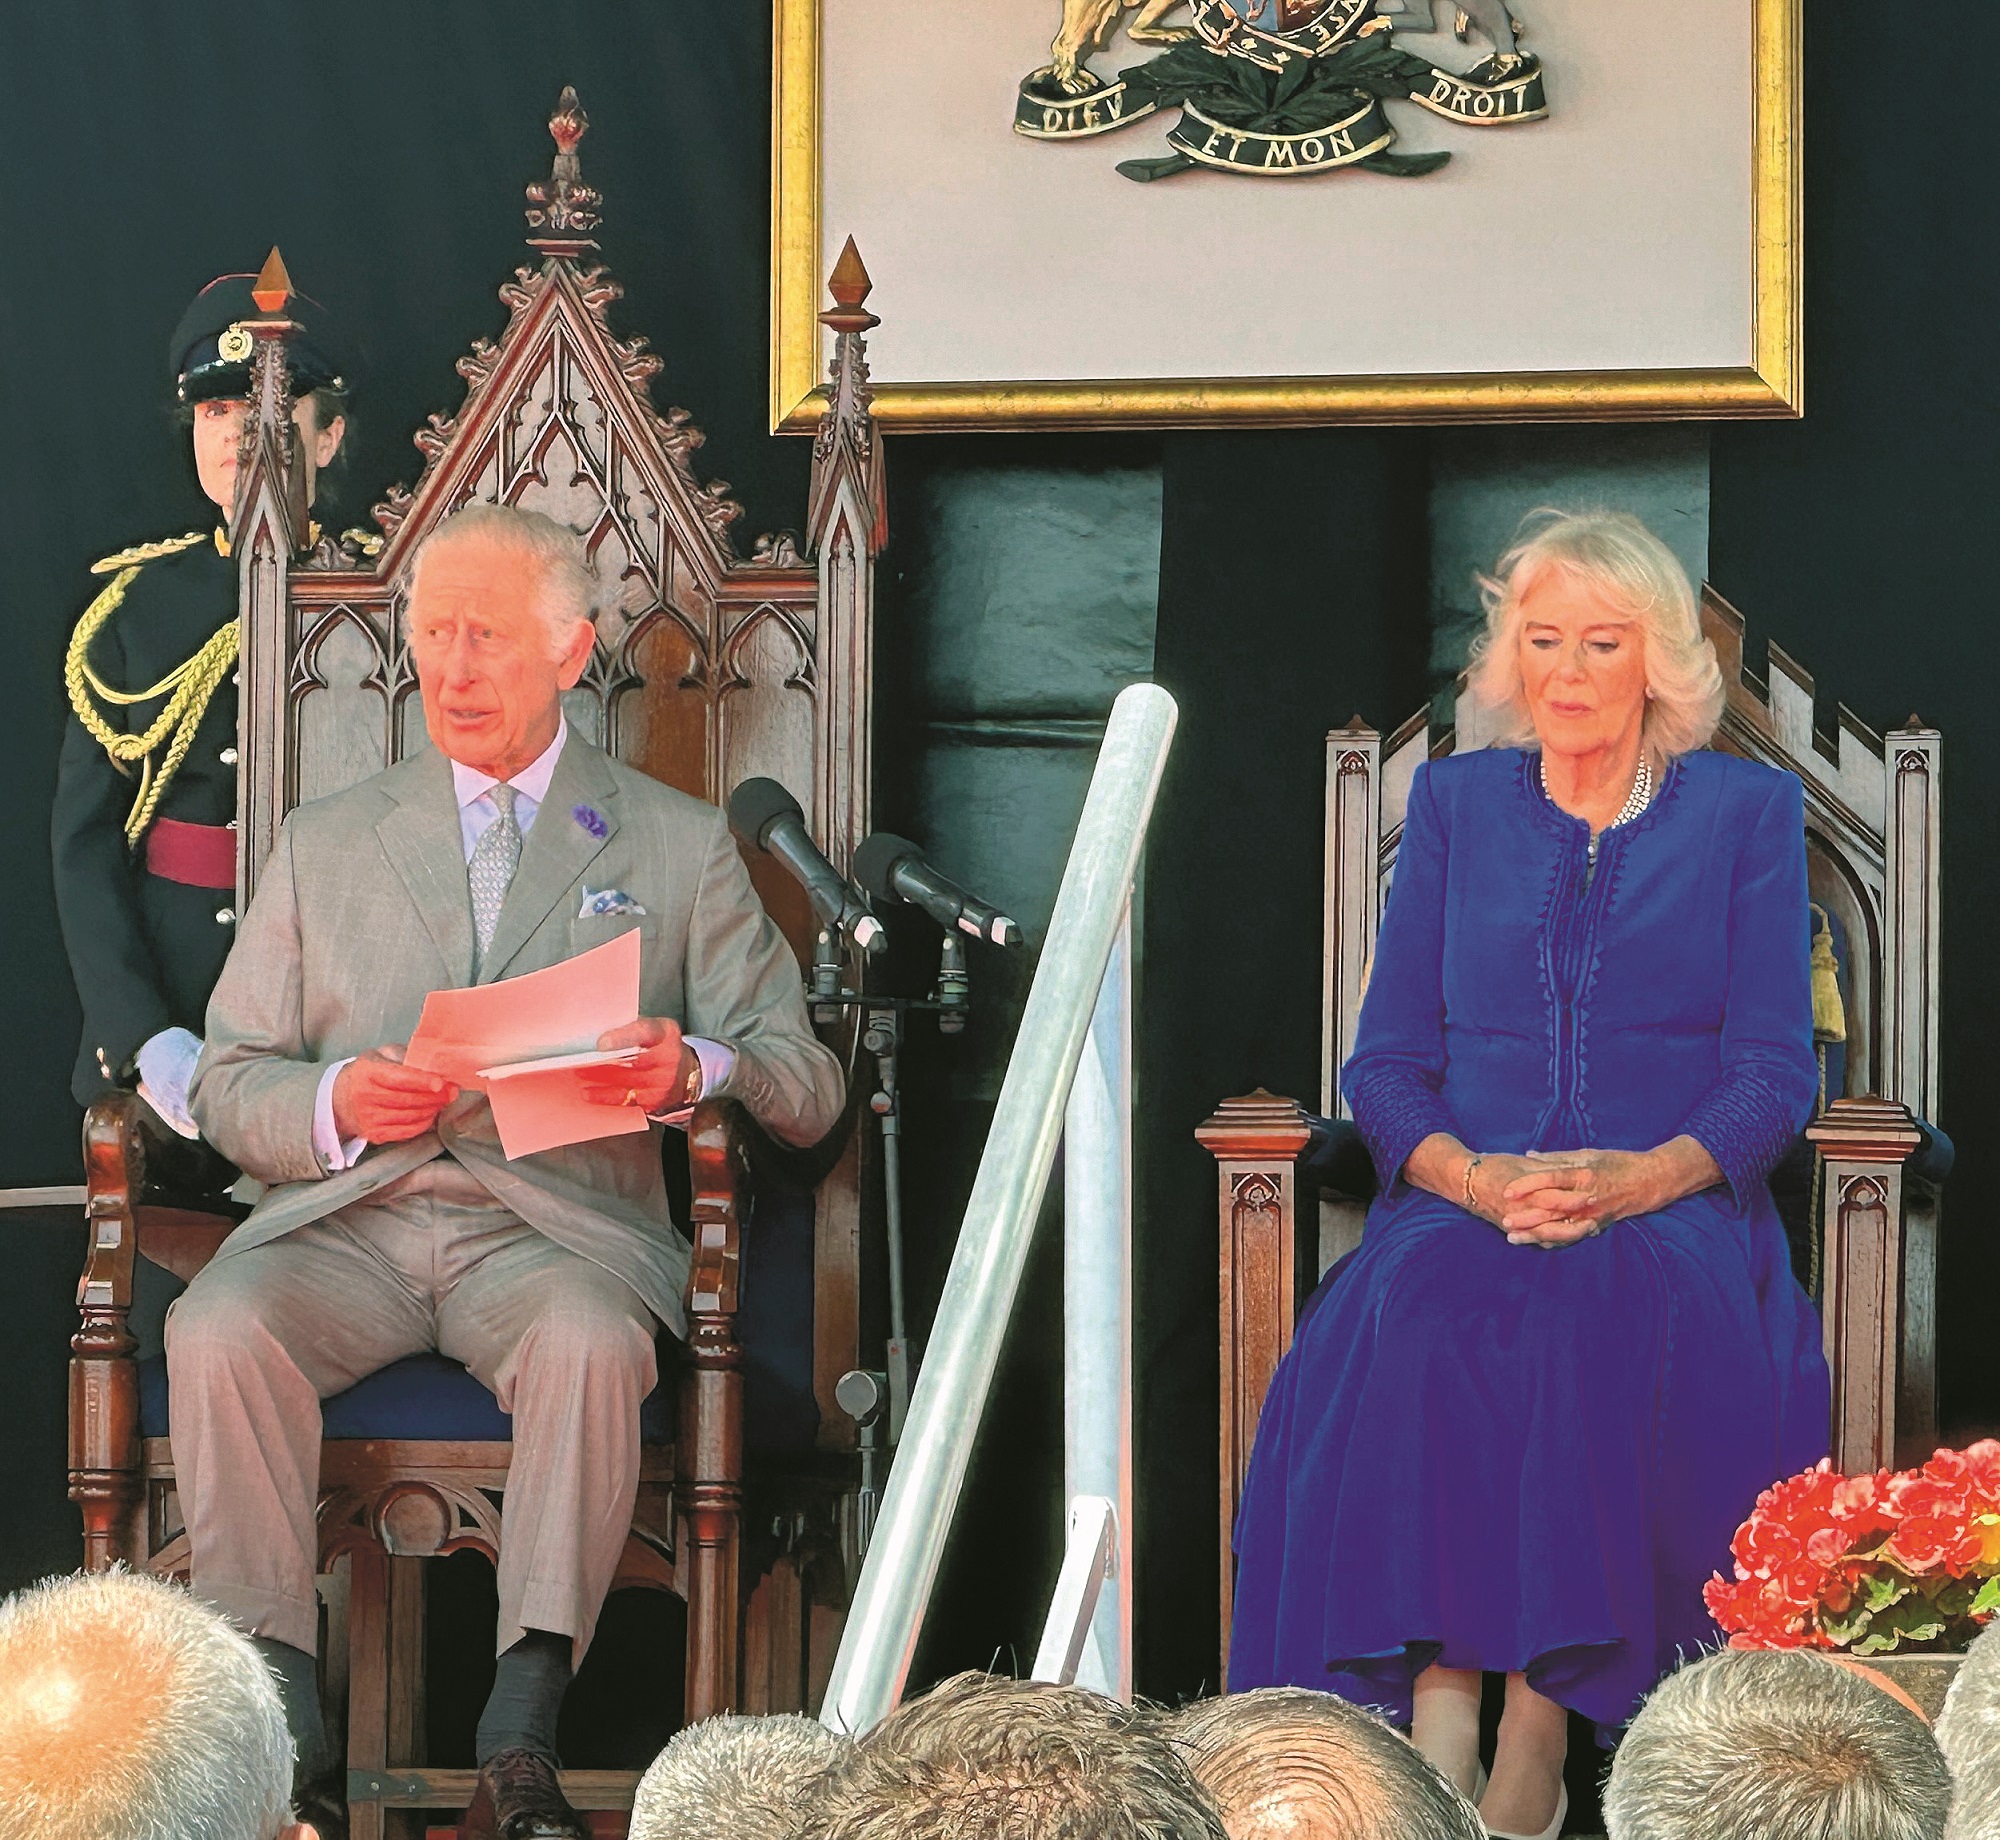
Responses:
[1822,1546]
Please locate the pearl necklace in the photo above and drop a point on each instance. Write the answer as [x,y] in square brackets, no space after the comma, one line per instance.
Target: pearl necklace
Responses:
[1636,800]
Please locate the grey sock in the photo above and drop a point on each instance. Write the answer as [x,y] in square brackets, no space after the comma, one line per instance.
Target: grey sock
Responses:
[528,1688]
[298,1687]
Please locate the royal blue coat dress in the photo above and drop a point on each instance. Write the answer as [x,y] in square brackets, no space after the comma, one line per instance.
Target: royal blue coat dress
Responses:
[1509,1458]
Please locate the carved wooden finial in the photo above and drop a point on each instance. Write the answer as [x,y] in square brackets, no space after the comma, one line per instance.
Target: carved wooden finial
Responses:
[273,286]
[562,210]
[569,124]
[849,285]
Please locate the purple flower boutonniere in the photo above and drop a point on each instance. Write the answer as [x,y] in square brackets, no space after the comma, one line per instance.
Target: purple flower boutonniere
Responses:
[592,820]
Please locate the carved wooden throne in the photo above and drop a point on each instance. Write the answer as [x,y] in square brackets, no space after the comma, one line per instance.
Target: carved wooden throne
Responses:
[1294,1186]
[710,667]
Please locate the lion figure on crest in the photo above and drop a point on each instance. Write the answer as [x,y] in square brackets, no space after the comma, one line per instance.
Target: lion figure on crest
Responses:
[1087,26]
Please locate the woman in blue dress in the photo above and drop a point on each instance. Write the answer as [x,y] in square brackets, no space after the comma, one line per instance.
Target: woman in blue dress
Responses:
[1518,1426]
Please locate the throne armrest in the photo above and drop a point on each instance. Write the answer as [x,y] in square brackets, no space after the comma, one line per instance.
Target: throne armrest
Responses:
[115,1133]
[103,1378]
[708,1460]
[1878,1281]
[1257,1142]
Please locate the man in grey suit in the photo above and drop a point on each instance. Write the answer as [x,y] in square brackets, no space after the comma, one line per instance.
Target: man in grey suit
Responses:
[394,1222]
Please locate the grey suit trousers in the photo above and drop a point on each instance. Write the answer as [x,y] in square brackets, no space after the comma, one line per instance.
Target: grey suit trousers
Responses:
[430,1261]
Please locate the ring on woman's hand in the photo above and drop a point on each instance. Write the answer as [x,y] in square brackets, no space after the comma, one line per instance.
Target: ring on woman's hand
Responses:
[631,1095]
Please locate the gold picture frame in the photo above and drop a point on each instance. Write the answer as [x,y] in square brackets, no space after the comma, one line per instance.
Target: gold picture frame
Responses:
[1770,387]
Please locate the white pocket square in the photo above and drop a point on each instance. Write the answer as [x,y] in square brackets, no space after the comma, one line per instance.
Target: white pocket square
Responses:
[607,901]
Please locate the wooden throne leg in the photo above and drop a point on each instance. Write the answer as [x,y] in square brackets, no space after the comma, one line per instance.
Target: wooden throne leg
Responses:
[368,1692]
[104,1461]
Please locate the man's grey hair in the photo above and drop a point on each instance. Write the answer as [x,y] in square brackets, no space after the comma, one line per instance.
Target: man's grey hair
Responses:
[569,584]
[1285,1761]
[1767,1744]
[985,1758]
[1968,1732]
[130,1711]
[735,1778]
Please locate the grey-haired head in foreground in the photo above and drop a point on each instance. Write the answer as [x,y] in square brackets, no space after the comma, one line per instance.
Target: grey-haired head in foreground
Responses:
[985,1758]
[735,1777]
[1775,1745]
[1968,1732]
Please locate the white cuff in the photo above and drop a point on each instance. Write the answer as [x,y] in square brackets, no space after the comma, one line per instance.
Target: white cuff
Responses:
[334,1153]
[717,1060]
[166,1068]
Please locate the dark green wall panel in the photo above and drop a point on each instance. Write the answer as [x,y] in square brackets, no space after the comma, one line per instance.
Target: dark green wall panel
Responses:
[1861,540]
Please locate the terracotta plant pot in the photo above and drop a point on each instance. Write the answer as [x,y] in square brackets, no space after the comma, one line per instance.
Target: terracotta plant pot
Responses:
[1925,1678]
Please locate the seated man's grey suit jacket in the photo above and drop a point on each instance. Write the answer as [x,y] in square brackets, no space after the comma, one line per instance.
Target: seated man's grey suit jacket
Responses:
[362,911]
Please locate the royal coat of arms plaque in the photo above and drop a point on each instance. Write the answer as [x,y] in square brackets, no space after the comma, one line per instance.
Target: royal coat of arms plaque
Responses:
[1278,88]
[1344,210]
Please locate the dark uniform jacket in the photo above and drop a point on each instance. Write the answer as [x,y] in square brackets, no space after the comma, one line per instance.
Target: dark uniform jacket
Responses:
[145,951]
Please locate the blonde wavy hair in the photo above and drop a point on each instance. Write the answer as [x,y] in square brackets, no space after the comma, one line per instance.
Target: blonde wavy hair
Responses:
[1612,552]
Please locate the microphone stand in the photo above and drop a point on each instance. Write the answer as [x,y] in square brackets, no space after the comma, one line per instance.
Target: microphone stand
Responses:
[884,1028]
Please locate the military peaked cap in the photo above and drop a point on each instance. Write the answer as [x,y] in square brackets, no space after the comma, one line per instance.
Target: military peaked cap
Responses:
[210,352]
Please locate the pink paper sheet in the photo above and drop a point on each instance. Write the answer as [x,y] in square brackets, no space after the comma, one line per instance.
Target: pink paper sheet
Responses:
[561,1010]
[543,1107]
[480,1036]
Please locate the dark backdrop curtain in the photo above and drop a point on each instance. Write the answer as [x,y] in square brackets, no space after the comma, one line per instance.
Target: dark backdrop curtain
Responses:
[1293,589]
[1860,539]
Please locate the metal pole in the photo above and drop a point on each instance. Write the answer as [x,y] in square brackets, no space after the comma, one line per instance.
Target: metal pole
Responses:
[1097,1305]
[1073,1608]
[964,1349]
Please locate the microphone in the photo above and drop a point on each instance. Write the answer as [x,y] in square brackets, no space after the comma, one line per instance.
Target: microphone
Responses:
[768,818]
[888,865]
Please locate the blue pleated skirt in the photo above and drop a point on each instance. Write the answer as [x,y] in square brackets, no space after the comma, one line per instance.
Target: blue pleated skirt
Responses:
[1519,1460]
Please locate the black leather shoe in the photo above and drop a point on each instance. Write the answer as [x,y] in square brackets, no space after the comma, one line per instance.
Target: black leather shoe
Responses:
[519,1798]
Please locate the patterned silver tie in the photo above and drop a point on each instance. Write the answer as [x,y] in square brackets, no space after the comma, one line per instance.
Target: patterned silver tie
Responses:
[495,857]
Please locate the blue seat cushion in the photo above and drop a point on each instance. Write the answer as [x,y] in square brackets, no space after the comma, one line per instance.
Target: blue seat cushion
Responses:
[420,1396]
[431,1396]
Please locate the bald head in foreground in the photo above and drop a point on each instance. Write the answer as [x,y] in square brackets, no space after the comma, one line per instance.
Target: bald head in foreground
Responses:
[129,1711]
[1285,1763]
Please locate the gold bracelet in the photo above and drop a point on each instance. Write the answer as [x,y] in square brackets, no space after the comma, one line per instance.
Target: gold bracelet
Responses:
[1468,1205]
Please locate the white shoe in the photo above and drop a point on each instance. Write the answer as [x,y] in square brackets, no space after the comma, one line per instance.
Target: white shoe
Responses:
[1551,1832]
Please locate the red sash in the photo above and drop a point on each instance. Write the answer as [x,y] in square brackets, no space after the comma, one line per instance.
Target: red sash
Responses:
[201,855]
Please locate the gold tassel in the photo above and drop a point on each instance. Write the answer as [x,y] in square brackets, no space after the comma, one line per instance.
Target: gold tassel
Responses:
[1829,1015]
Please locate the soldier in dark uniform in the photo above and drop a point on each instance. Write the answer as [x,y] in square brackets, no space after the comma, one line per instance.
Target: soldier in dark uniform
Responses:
[145,807]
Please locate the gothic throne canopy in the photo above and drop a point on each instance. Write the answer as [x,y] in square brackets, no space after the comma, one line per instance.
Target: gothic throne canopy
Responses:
[710,667]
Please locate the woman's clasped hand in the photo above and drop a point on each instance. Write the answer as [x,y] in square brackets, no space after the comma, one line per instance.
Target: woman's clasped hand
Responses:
[1555,1198]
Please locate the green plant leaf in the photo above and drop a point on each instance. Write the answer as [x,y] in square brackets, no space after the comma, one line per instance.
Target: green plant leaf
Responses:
[1987,1601]
[1881,1589]
[1844,1631]
[1911,1619]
